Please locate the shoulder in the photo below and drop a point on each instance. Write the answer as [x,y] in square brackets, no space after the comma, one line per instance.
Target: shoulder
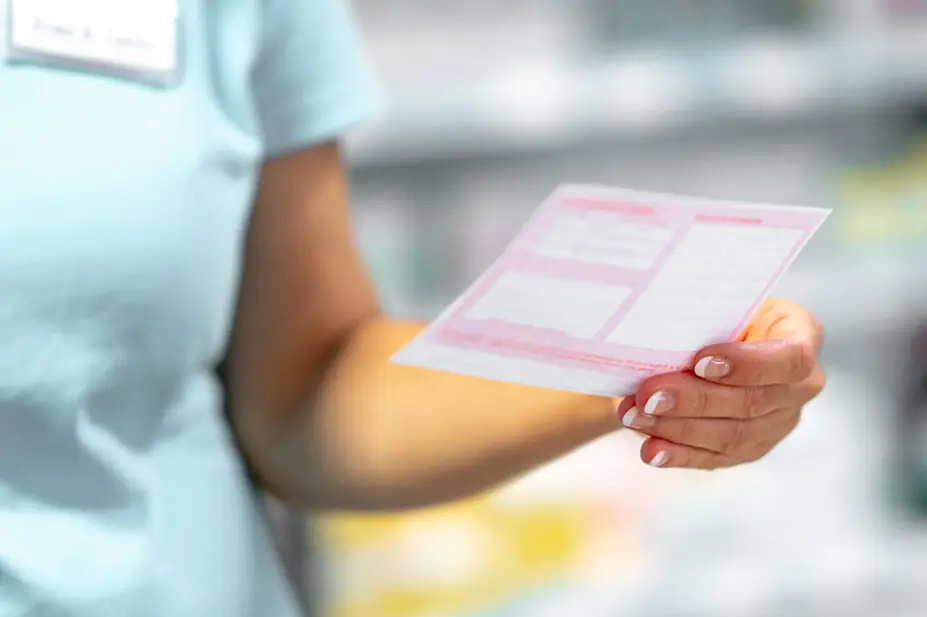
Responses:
[311,80]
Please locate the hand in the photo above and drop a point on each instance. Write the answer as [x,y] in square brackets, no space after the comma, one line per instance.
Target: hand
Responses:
[742,399]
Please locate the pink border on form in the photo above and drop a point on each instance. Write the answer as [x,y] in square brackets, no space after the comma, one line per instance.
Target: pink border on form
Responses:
[629,302]
[708,212]
[524,341]
[531,229]
[596,354]
[558,356]
[574,270]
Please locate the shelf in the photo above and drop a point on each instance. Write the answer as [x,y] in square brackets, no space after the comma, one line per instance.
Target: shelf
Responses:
[643,94]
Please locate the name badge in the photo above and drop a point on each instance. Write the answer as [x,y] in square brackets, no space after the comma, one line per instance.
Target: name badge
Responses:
[137,39]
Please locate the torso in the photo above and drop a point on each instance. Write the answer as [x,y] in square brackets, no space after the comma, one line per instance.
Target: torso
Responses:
[123,208]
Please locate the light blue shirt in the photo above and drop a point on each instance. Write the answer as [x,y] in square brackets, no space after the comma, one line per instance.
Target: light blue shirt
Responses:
[122,211]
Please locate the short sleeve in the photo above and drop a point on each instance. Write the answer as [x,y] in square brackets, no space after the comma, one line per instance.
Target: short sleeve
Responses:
[312,80]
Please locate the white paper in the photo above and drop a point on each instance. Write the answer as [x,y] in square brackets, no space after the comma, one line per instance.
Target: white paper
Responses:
[606,287]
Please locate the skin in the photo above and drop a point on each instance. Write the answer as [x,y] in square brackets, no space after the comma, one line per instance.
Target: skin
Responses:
[326,422]
[746,405]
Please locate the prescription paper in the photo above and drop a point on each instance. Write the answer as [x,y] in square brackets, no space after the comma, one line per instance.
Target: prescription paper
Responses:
[605,287]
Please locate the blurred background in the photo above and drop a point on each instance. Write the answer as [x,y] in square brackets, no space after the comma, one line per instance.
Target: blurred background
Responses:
[805,102]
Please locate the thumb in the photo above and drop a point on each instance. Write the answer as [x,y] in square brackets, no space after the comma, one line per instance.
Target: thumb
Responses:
[784,320]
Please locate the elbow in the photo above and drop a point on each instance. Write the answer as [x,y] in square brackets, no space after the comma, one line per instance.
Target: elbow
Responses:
[360,490]
[360,481]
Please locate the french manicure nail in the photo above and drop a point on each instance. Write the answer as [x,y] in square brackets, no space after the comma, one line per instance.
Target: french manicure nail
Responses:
[659,460]
[629,417]
[659,403]
[634,419]
[712,368]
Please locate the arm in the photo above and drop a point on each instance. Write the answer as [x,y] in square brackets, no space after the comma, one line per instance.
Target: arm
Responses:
[324,419]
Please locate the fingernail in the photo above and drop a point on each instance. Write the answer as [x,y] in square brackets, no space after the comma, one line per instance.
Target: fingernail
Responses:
[712,368]
[629,417]
[634,419]
[659,460]
[659,403]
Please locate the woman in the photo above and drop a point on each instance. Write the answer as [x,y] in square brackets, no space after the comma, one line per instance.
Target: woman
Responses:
[172,198]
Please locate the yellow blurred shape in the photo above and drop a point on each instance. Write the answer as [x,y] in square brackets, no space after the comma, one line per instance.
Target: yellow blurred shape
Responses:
[457,559]
[887,203]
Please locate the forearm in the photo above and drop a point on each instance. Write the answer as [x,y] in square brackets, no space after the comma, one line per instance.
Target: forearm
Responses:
[381,436]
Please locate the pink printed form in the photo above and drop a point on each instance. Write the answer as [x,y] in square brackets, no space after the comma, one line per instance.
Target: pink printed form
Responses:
[605,287]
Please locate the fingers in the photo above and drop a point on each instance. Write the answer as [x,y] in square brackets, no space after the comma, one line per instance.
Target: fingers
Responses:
[721,436]
[758,363]
[658,452]
[779,346]
[683,395]
[740,399]
[781,319]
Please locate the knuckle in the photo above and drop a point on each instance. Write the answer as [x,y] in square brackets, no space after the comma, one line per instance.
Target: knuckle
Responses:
[687,430]
[716,461]
[809,389]
[802,362]
[754,402]
[736,437]
[701,403]
[784,428]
